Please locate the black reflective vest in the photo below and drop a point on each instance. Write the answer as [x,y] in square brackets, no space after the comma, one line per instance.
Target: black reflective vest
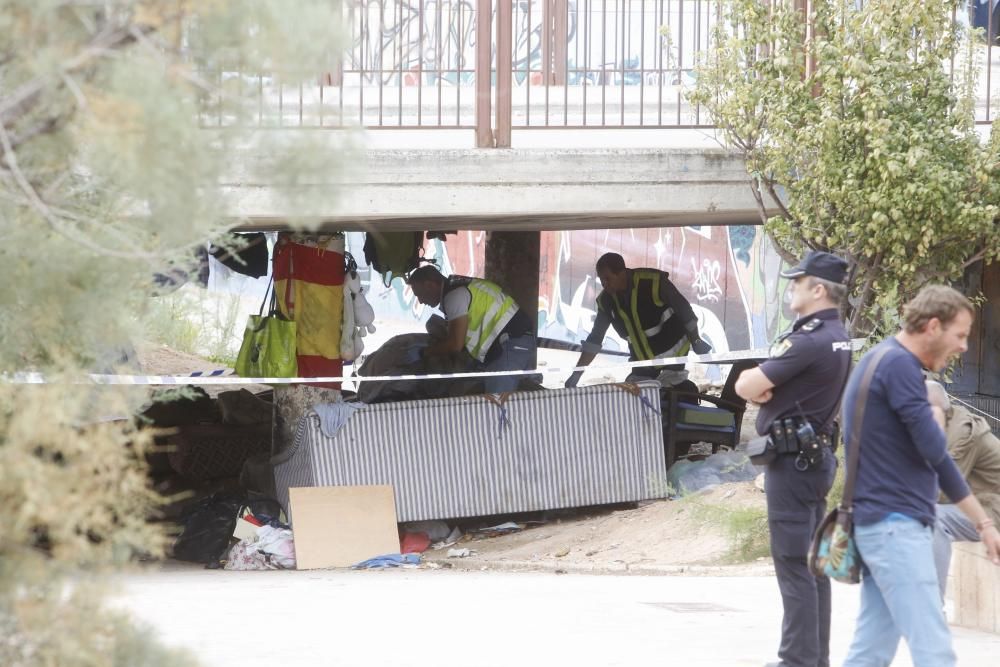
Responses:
[650,325]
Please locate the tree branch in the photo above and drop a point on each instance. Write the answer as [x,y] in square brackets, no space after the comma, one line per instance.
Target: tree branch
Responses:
[44,127]
[855,321]
[974,258]
[24,99]
[755,189]
[10,157]
[774,195]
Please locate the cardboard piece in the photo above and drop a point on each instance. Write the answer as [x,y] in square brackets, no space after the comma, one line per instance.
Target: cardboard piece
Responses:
[339,526]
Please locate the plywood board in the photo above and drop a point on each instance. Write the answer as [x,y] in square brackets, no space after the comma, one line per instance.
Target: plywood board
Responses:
[338,526]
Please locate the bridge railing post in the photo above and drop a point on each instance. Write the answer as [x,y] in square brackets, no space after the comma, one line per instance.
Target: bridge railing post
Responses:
[484,74]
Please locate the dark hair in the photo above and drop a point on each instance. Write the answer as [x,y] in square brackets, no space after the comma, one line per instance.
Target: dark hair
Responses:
[934,301]
[424,274]
[611,261]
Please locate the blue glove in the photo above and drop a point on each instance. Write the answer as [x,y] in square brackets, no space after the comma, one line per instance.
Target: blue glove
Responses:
[573,379]
[700,346]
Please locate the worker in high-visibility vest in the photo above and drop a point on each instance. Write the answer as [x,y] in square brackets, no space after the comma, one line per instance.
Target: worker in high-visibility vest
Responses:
[482,320]
[645,308]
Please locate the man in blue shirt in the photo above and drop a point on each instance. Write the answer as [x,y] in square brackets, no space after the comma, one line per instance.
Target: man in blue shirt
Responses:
[798,389]
[903,459]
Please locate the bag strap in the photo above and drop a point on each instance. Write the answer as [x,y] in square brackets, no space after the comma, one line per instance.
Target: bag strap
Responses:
[832,417]
[269,288]
[289,289]
[853,455]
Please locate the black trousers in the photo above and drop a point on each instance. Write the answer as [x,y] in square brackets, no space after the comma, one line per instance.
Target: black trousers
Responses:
[796,503]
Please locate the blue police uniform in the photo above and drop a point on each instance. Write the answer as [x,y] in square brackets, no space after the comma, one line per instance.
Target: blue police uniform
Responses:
[809,367]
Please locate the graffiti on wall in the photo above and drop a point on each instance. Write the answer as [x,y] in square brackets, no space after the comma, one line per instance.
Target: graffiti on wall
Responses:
[729,274]
[430,41]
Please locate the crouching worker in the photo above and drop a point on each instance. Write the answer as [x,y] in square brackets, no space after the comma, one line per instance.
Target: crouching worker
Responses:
[645,308]
[481,320]
[976,451]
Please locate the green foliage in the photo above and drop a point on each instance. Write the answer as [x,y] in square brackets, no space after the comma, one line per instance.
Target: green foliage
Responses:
[108,177]
[745,528]
[198,322]
[860,139]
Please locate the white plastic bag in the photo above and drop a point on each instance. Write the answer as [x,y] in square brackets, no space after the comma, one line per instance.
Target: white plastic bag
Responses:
[279,544]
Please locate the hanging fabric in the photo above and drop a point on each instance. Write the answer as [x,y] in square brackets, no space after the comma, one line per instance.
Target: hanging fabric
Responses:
[309,282]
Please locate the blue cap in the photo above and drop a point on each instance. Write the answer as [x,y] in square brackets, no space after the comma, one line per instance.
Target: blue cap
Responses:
[821,265]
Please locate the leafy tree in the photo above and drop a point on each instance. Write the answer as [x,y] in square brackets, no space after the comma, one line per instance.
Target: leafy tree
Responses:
[857,126]
[108,177]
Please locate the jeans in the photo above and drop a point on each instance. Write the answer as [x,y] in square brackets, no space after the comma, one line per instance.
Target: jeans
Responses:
[952,526]
[899,597]
[516,354]
[796,503]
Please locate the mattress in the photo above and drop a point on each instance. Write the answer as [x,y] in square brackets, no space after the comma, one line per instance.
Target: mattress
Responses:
[490,454]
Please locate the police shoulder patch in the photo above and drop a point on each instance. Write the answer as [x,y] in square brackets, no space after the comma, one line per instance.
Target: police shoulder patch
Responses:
[811,325]
[780,348]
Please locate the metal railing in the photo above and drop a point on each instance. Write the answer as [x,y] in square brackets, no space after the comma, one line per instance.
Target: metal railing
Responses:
[498,65]
[607,63]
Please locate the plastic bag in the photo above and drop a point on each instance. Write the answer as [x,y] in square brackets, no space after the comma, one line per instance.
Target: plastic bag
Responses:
[268,348]
[209,523]
[279,544]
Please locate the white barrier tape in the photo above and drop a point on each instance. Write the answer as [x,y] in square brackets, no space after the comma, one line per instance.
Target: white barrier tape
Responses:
[543,343]
[715,358]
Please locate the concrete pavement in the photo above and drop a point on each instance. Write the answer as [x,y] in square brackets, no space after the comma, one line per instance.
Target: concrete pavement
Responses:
[409,617]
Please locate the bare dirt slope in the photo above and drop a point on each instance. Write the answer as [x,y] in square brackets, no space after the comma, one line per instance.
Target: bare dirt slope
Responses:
[162,360]
[668,534]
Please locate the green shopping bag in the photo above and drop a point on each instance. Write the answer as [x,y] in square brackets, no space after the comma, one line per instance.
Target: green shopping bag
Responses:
[268,348]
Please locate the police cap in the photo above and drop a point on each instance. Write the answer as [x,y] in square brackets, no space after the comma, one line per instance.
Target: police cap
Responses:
[821,265]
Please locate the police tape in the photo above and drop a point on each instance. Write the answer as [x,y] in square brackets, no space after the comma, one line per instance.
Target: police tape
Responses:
[543,343]
[758,354]
[217,378]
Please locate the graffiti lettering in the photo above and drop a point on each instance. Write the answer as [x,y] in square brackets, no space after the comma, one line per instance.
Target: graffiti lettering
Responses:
[706,279]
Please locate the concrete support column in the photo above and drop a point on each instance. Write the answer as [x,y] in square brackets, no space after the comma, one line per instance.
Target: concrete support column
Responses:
[512,261]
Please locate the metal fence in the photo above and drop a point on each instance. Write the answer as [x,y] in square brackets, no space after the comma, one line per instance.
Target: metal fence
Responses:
[532,64]
[987,406]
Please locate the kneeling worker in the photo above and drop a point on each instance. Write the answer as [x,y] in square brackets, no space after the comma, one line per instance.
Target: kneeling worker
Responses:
[482,320]
[976,452]
[645,308]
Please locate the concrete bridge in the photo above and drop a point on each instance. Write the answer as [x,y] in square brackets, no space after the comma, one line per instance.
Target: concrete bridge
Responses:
[517,189]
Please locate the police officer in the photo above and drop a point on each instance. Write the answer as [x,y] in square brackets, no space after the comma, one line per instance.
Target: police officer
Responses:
[482,320]
[645,308]
[799,389]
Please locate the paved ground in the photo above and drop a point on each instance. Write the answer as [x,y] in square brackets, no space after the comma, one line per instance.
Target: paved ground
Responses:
[410,617]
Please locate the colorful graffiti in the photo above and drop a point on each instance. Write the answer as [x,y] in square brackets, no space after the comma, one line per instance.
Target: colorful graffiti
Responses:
[730,275]
[422,41]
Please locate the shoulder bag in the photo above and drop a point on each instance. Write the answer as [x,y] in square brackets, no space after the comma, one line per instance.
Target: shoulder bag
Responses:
[833,552]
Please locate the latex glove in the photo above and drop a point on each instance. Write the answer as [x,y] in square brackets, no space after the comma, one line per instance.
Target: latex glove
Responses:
[700,346]
[573,379]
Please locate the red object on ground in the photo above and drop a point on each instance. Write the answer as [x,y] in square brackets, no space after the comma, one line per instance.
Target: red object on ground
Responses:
[414,543]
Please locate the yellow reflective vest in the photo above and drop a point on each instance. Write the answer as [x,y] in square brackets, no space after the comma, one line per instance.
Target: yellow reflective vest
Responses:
[489,312]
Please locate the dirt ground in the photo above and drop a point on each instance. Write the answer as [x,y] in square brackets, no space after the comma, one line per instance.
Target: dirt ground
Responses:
[665,534]
[162,360]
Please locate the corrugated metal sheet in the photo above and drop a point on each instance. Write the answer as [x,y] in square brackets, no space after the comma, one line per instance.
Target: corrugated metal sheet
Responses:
[472,456]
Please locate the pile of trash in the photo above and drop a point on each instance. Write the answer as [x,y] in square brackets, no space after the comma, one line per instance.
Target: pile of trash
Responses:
[247,532]
[686,477]
[236,532]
